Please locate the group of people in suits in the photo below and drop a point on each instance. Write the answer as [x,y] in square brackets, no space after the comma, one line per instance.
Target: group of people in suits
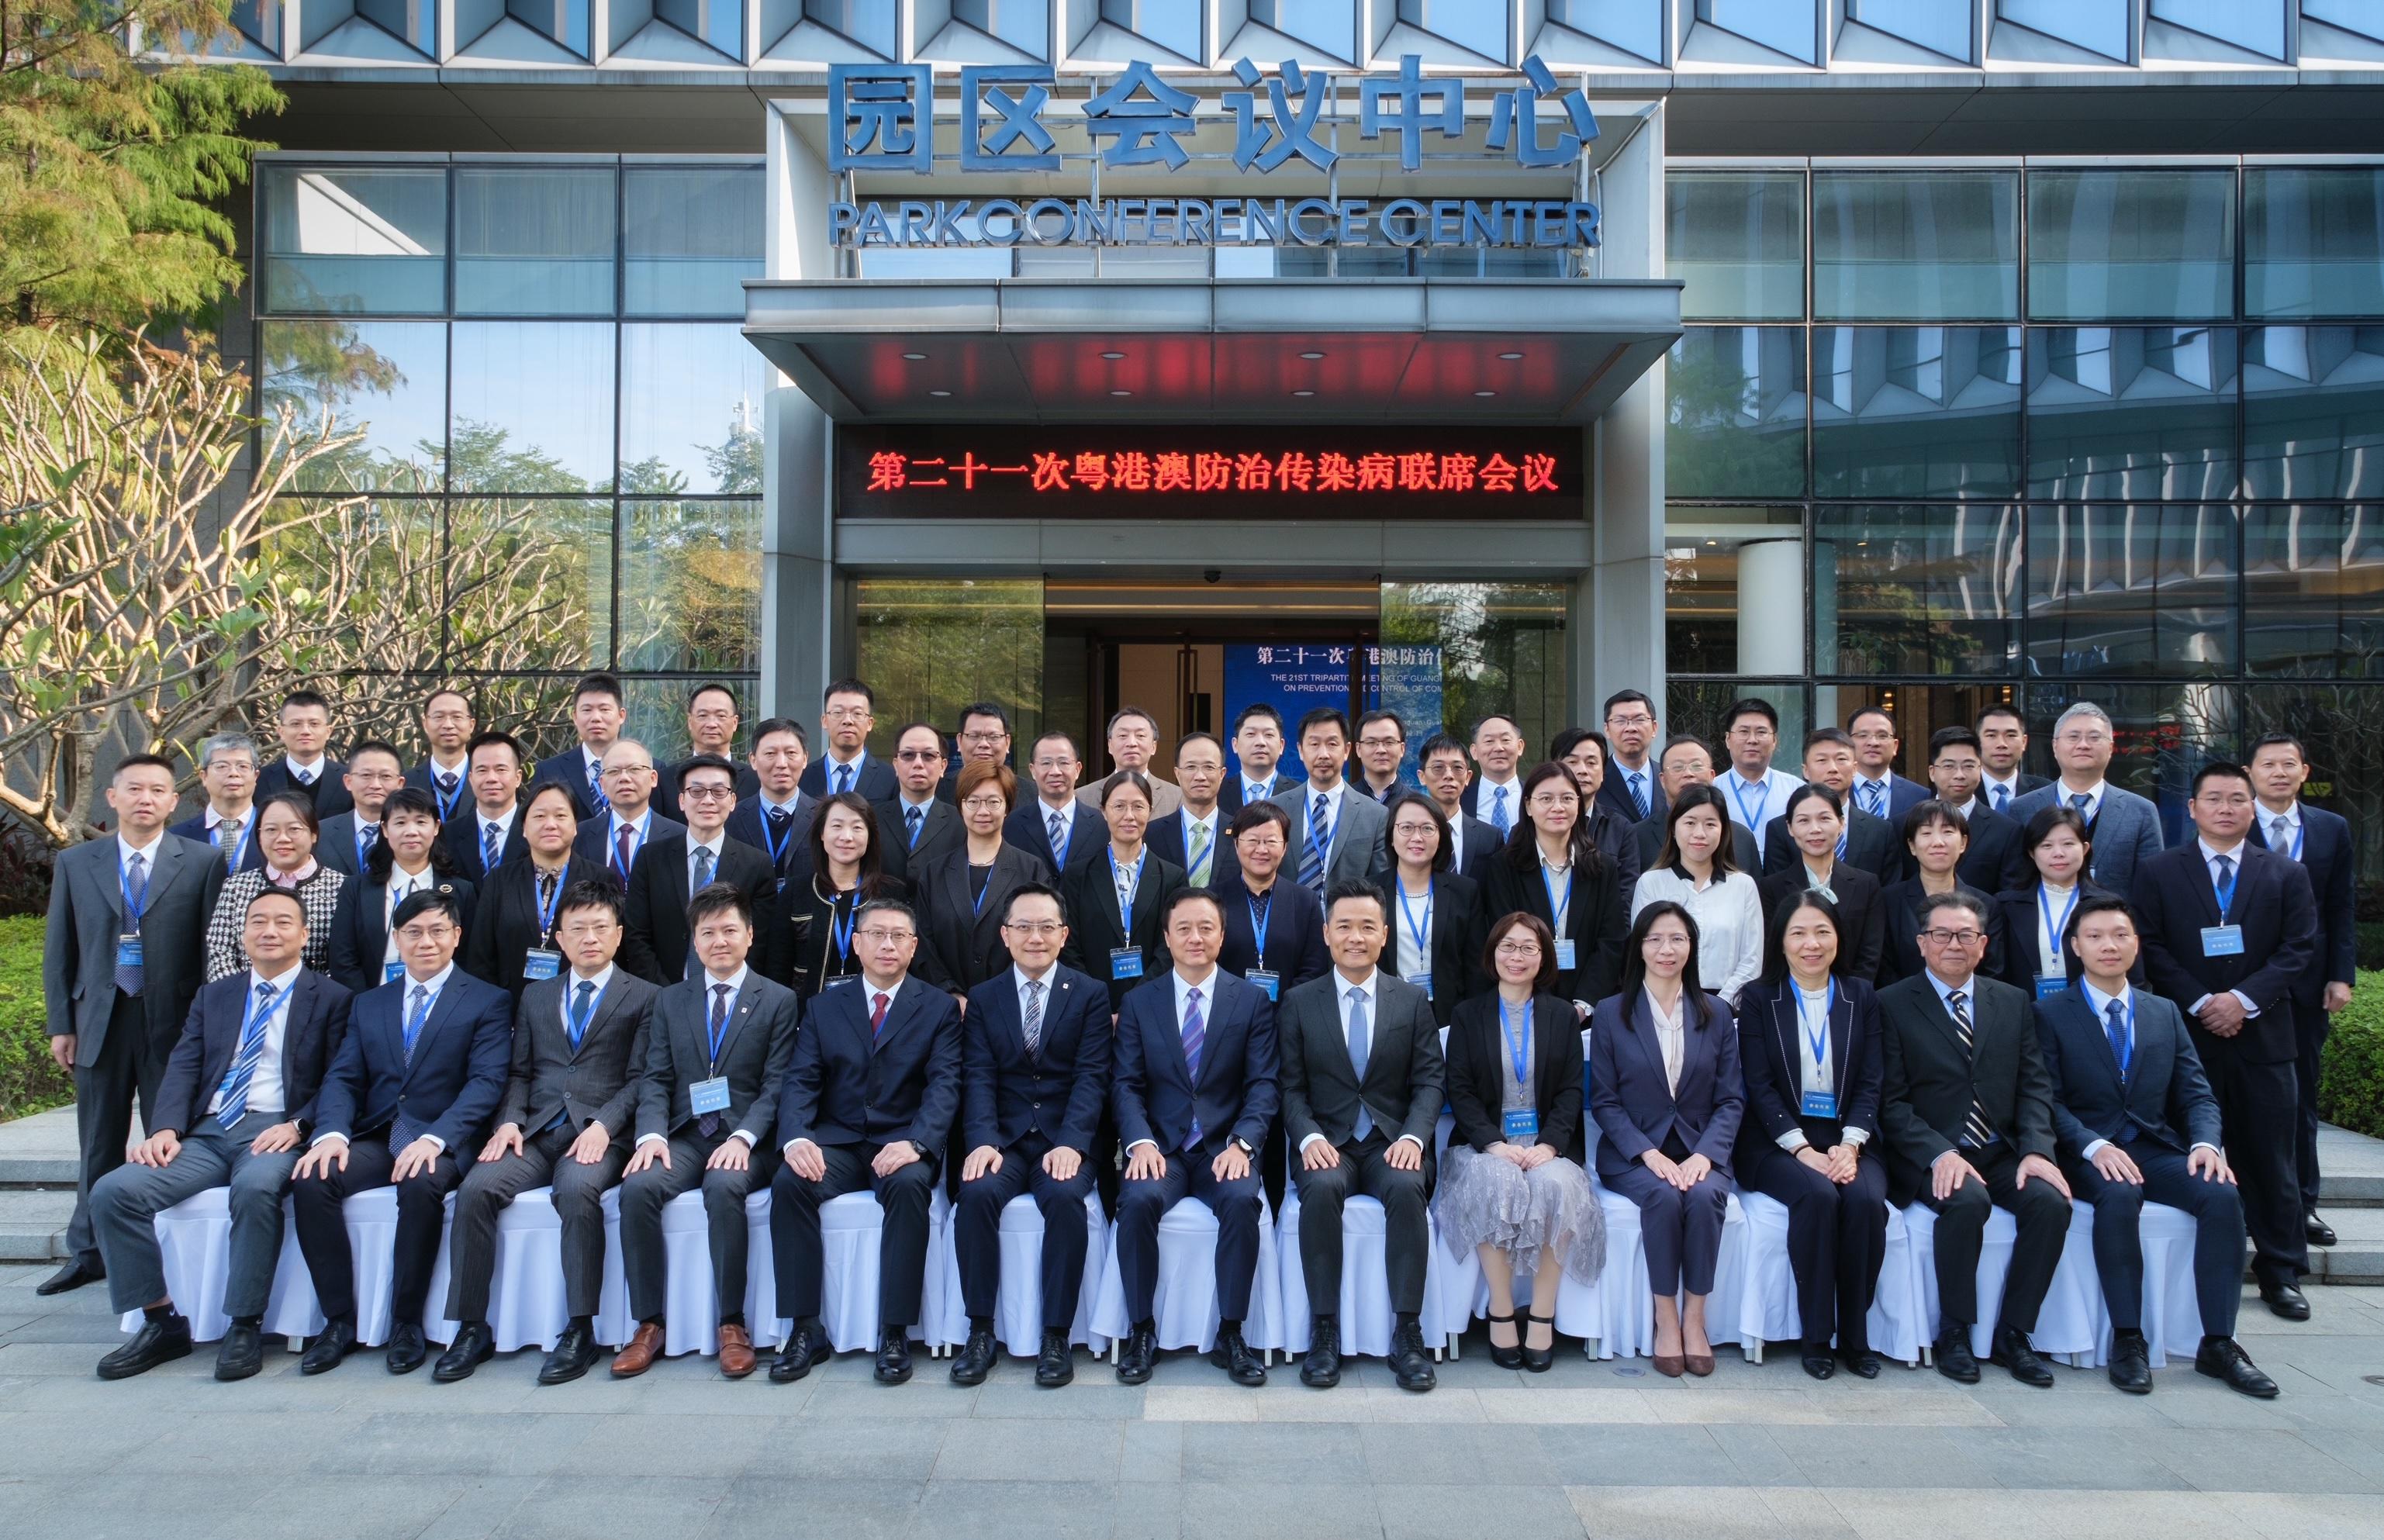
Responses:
[481,976]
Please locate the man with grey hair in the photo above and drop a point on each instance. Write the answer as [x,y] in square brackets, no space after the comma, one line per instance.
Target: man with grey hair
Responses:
[2123,827]
[227,773]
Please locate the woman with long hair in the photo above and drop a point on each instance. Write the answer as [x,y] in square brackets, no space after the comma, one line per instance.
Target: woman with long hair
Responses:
[1553,871]
[846,869]
[1817,826]
[1695,871]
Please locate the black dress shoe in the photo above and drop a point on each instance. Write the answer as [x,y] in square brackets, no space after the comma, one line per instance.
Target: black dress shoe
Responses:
[2131,1363]
[1056,1364]
[336,1342]
[1234,1356]
[976,1357]
[1320,1369]
[1819,1363]
[243,1352]
[894,1355]
[1860,1362]
[409,1349]
[2318,1231]
[73,1275]
[159,1341]
[2224,1359]
[799,1354]
[1539,1360]
[1506,1358]
[575,1353]
[2014,1352]
[1138,1356]
[1953,1357]
[474,1345]
[2286,1300]
[1410,1359]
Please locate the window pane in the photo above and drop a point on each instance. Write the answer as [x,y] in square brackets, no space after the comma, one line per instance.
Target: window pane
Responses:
[691,585]
[534,241]
[656,711]
[1736,413]
[1738,239]
[1915,590]
[2141,588]
[2161,734]
[1695,707]
[2314,411]
[690,410]
[2314,242]
[931,645]
[556,437]
[2341,727]
[1733,590]
[529,582]
[2131,411]
[535,708]
[2313,592]
[1915,246]
[1501,649]
[388,379]
[1916,411]
[373,566]
[691,235]
[2139,242]
[353,239]
[1919,710]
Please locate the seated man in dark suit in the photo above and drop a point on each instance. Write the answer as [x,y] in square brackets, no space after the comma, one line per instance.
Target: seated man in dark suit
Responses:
[1035,1062]
[410,1092]
[2137,1123]
[1968,1118]
[1195,1094]
[1361,1092]
[237,1095]
[867,1105]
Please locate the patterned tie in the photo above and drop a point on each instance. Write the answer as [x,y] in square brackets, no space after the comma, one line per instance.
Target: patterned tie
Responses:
[228,840]
[1875,797]
[914,818]
[877,1014]
[2223,884]
[1199,875]
[1194,1034]
[1059,833]
[1031,1028]
[2078,801]
[492,846]
[779,818]
[136,884]
[1320,841]
[1360,1035]
[1638,783]
[596,797]
[366,837]
[446,786]
[708,1124]
[2002,796]
[1974,1130]
[702,876]
[2281,835]
[304,777]
[843,778]
[583,999]
[233,1104]
[2114,1027]
[624,845]
[415,1016]
[1499,818]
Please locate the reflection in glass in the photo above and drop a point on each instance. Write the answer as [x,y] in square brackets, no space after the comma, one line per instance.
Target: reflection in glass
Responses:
[1733,590]
[376,567]
[556,437]
[2131,411]
[1738,239]
[2342,729]
[656,712]
[690,236]
[2314,411]
[690,410]
[1916,411]
[2143,241]
[1918,711]
[691,585]
[568,22]
[872,24]
[1736,413]
[388,379]
[1915,246]
[1695,707]
[534,241]
[1501,649]
[352,238]
[1916,589]
[2314,242]
[2139,588]
[718,23]
[929,646]
[2162,734]
[2314,591]
[529,582]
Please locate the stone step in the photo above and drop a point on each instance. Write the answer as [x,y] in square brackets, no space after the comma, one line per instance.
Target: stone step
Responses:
[33,1224]
[39,1150]
[2351,1170]
[2357,1256]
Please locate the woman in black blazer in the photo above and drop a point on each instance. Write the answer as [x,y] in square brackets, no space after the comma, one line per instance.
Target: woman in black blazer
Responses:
[2058,852]
[508,920]
[1124,950]
[1817,822]
[1551,864]
[1668,1114]
[1805,1135]
[844,871]
[960,895]
[1436,914]
[1254,899]
[408,853]
[1507,1188]
[1936,837]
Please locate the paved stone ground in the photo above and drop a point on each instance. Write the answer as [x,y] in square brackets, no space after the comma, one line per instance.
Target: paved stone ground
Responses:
[1606,1450]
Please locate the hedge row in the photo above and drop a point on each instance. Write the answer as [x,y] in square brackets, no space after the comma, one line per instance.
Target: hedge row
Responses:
[2351,1087]
[30,1081]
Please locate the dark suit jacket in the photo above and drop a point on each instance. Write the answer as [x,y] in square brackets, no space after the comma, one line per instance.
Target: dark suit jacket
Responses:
[1743,854]
[1403,1087]
[1871,844]
[1993,861]
[1899,916]
[2125,833]
[960,939]
[2328,856]
[360,929]
[2017,920]
[753,1054]
[87,917]
[876,782]
[2273,903]
[1902,795]
[419,778]
[940,833]
[804,952]
[318,1020]
[1093,928]
[1237,1093]
[846,1087]
[1295,922]
[251,854]
[452,1085]
[504,920]
[569,770]
[1029,829]
[1167,839]
[461,835]
[666,801]
[330,790]
[598,1082]
[1229,796]
[1477,843]
[2165,1099]
[747,826]
[654,936]
[1614,795]
[1596,921]
[1620,841]
[1477,1041]
[1058,1091]
[336,846]
[1770,1060]
[1636,1110]
[594,843]
[1457,928]
[1929,1081]
[1863,943]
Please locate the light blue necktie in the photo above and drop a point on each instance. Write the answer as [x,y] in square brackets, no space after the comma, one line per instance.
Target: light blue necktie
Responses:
[491,840]
[914,817]
[1875,794]
[2002,796]
[1359,1043]
[843,778]
[1638,782]
[1194,1034]
[414,1017]
[233,1104]
[583,999]
[1499,818]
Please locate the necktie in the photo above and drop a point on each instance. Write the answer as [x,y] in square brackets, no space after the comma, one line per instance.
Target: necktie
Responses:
[702,874]
[2078,801]
[1974,1131]
[2224,883]
[843,778]
[415,1012]
[1059,833]
[2281,835]
[233,1105]
[583,999]
[446,786]
[1194,1033]
[1253,792]
[304,777]
[1361,1035]
[1875,799]
[596,791]
[2114,1027]
[1199,875]
[1320,841]
[136,893]
[366,837]
[1031,1027]
[709,1122]
[778,818]
[624,845]
[913,817]
[492,838]
[1500,819]
[227,838]
[1638,783]
[2002,796]
[878,1004]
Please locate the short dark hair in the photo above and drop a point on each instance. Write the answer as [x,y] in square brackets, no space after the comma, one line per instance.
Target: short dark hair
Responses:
[1683,740]
[273,891]
[1325,717]
[2278,741]
[1035,890]
[1437,744]
[421,902]
[2000,708]
[1255,814]
[983,708]
[2220,770]
[451,690]
[1634,957]
[1075,751]
[598,684]
[1961,899]
[886,906]
[1934,810]
[704,761]
[1182,896]
[1135,778]
[1838,736]
[1693,797]
[849,687]
[1878,710]
[305,698]
[1257,709]
[1784,914]
[375,746]
[1807,791]
[1190,739]
[2044,820]
[1571,739]
[1624,698]
[907,729]
[506,741]
[1442,856]
[2100,904]
[1355,887]
[1379,715]
[706,687]
[142,762]
[717,898]
[1955,736]
[1122,713]
[590,893]
[1750,706]
[300,802]
[1487,717]
[529,798]
[772,725]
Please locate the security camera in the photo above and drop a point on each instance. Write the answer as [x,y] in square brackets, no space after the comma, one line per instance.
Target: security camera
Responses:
[1212,575]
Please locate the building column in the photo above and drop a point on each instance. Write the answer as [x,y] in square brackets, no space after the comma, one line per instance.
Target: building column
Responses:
[1619,637]
[798,508]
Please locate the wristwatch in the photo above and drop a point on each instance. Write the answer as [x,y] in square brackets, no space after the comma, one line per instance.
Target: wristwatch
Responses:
[917,1149]
[1243,1144]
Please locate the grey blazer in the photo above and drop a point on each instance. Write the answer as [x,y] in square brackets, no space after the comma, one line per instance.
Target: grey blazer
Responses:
[2126,832]
[753,1054]
[1320,1089]
[87,915]
[597,1084]
[1360,842]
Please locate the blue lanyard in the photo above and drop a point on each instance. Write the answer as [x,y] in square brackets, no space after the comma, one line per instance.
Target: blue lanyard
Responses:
[248,833]
[1416,932]
[2301,836]
[1762,799]
[715,1035]
[554,900]
[124,891]
[1519,1046]
[448,800]
[259,1014]
[638,844]
[777,849]
[2227,895]
[843,934]
[976,905]
[2054,933]
[1125,893]
[1817,1041]
[1259,921]
[1558,909]
[595,1004]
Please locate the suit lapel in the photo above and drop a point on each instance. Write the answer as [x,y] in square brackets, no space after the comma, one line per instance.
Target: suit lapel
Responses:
[607,1007]
[739,1009]
[1643,1032]
[168,866]
[898,1015]
[441,1011]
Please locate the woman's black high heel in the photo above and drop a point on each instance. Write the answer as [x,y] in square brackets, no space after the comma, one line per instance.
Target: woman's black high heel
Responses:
[1539,1360]
[1506,1358]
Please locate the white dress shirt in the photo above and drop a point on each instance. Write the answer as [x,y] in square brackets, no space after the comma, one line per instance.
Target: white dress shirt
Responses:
[1817,1073]
[1728,913]
[247,820]
[265,1093]
[502,824]
[2287,841]
[1859,795]
[433,986]
[402,884]
[830,765]
[1672,1035]
[311,770]
[2053,907]
[1746,808]
[642,825]
[736,982]
[2210,854]
[1308,797]
[1214,824]
[2101,1004]
[2010,785]
[2063,792]
[572,981]
[1019,978]
[1368,989]
[1411,922]
[715,845]
[1486,795]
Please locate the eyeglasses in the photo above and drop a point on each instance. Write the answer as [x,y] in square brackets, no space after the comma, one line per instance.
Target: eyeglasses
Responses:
[1035,928]
[1552,800]
[1520,950]
[847,714]
[1380,742]
[877,937]
[919,756]
[705,793]
[986,804]
[995,735]
[1952,938]
[1637,719]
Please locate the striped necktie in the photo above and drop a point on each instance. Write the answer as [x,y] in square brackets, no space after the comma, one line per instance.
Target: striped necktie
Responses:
[233,1103]
[1199,875]
[1976,1131]
[1320,841]
[1194,1032]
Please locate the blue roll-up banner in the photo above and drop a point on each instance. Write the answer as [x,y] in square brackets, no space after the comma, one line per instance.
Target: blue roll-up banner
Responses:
[1296,677]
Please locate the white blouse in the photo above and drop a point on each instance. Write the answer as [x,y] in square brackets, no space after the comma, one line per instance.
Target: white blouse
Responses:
[1729,924]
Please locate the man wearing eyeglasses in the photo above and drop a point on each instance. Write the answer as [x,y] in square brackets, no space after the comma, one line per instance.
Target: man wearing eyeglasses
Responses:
[2122,829]
[1967,1117]
[655,944]
[983,739]
[616,838]
[915,825]
[1633,788]
[1382,743]
[847,713]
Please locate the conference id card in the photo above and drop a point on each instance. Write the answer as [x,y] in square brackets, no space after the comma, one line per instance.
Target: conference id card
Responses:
[540,962]
[1819,1104]
[2222,941]
[1422,981]
[709,1096]
[1125,962]
[1564,955]
[128,952]
[392,972]
[841,980]
[1521,1125]
[1266,980]
[2050,984]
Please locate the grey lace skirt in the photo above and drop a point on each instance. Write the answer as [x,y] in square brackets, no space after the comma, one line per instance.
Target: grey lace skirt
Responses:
[1484,1201]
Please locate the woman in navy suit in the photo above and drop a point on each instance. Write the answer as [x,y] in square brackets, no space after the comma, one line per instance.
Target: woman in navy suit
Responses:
[1664,1089]
[1808,1040]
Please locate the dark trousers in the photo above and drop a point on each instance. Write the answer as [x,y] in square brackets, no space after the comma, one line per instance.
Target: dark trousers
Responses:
[1142,1204]
[421,1214]
[902,1242]
[126,1201]
[1364,1172]
[644,1193]
[2218,1210]
[2044,1218]
[489,1185]
[1837,1236]
[2310,1026]
[1681,1230]
[2259,1112]
[977,1230]
[104,1088]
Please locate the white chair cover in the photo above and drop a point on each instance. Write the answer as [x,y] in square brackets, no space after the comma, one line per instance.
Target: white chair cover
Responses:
[850,1227]
[1184,1303]
[2172,1311]
[195,1243]
[293,1310]
[1018,1304]
[1994,1261]
[528,1306]
[1768,1307]
[691,1318]
[1365,1306]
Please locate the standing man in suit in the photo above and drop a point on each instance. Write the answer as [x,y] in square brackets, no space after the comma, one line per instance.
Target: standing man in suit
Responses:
[2003,744]
[1034,1065]
[1362,1095]
[616,838]
[1993,861]
[1258,751]
[448,726]
[867,1106]
[1193,837]
[914,826]
[123,956]
[656,945]
[712,721]
[597,712]
[2229,930]
[1382,744]
[1133,741]
[228,776]
[1633,788]
[1196,1091]
[1056,826]
[305,727]
[983,738]
[2136,1123]
[2123,828]
[1440,763]
[239,1094]
[404,1102]
[491,833]
[1877,788]
[776,817]
[1497,794]
[1687,762]
[374,771]
[847,713]
[2321,842]
[1872,844]
[716,1047]
[1335,836]
[1966,1113]
[1758,792]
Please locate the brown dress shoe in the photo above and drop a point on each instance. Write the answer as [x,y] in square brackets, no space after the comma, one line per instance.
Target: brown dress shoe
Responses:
[737,1359]
[638,1353]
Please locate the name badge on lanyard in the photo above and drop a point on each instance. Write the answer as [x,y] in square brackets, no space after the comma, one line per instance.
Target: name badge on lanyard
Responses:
[1420,935]
[540,962]
[390,972]
[1124,962]
[2054,931]
[1818,1103]
[1270,982]
[2050,984]
[709,1096]
[1559,912]
[2223,940]
[1519,1124]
